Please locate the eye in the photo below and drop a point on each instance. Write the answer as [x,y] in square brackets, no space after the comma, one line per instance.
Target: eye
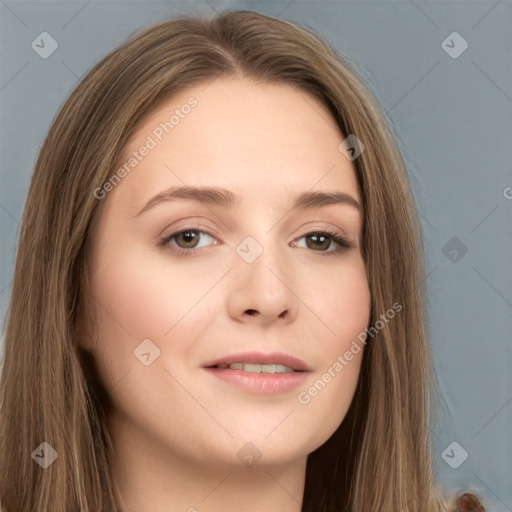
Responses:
[324,239]
[187,241]
[187,238]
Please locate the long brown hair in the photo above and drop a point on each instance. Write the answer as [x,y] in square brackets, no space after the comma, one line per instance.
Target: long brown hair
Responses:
[49,392]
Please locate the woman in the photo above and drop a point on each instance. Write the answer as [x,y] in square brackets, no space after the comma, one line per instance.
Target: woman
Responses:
[253,372]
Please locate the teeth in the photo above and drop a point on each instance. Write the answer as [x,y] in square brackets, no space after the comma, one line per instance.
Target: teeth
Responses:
[259,368]
[252,368]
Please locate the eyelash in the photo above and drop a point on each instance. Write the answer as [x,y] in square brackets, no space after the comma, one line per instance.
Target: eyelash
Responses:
[333,235]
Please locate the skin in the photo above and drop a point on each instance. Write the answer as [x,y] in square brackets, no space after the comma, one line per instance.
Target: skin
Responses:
[176,429]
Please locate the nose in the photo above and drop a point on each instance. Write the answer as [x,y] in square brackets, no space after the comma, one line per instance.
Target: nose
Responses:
[263,291]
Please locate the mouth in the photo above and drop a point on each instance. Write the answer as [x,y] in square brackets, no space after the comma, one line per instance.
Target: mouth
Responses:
[261,374]
[257,362]
[256,368]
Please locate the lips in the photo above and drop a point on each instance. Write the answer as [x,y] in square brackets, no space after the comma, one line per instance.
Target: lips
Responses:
[273,358]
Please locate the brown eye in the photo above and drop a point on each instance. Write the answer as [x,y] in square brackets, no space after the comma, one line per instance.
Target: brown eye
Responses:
[185,241]
[320,240]
[189,237]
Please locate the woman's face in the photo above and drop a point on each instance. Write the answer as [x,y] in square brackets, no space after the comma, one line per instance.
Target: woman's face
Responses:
[248,282]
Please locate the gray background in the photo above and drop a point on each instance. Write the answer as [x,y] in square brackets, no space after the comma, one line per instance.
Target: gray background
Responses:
[452,117]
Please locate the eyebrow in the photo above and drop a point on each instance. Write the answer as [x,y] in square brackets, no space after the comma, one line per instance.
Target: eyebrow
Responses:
[227,199]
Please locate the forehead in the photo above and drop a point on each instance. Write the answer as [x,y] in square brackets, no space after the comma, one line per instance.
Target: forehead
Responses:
[261,140]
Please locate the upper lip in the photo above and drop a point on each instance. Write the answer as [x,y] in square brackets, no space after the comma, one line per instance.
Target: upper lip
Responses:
[262,358]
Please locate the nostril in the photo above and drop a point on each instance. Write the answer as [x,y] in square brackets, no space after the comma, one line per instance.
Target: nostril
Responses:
[252,312]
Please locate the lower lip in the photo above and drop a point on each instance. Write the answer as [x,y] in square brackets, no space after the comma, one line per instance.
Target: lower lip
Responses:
[260,383]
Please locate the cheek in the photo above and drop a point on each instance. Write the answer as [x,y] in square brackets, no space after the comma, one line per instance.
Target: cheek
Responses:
[139,297]
[342,302]
[130,307]
[345,313]
[145,297]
